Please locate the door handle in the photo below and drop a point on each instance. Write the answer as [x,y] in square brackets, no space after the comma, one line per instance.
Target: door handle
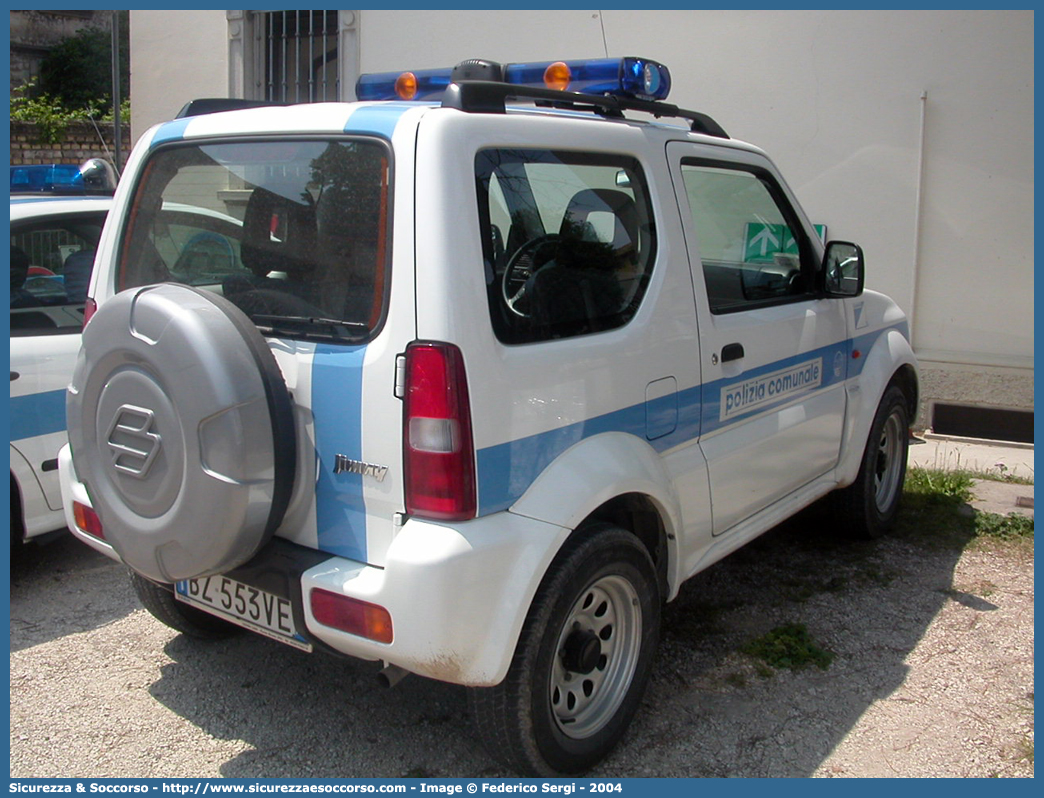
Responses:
[731,352]
[15,375]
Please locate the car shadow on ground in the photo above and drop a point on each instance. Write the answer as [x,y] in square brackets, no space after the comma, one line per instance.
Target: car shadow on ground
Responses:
[710,709]
[94,590]
[716,711]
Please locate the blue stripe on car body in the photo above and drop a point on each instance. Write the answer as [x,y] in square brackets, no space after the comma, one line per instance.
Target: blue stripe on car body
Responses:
[37,414]
[376,119]
[171,131]
[506,471]
[337,374]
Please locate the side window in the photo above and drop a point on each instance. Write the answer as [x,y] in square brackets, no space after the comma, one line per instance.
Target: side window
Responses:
[568,241]
[753,253]
[51,263]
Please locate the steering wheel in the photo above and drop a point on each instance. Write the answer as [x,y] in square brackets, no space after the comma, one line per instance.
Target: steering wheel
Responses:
[522,265]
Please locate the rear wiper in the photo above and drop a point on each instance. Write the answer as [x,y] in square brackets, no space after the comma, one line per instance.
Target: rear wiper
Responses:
[312,326]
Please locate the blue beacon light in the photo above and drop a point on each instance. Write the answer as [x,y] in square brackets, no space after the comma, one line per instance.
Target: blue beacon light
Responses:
[628,77]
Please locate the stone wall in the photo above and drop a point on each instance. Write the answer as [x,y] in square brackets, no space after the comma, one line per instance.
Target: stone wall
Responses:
[81,142]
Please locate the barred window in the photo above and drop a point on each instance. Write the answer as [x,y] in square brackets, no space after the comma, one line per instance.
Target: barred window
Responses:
[297,56]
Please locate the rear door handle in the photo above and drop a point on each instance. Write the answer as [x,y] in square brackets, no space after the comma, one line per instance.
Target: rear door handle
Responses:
[731,352]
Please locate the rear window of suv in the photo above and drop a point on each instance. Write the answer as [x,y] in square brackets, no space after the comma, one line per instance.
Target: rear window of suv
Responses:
[294,232]
[568,241]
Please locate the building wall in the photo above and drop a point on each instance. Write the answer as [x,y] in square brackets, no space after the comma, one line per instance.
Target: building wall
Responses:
[34,33]
[910,132]
[80,142]
[176,56]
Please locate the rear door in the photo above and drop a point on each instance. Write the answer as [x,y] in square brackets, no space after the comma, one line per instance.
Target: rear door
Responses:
[774,356]
[296,231]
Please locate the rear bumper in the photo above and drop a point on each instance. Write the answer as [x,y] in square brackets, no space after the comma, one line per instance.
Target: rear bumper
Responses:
[457,595]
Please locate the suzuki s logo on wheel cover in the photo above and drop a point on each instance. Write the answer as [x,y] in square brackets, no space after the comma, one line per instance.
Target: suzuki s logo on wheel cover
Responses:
[133,446]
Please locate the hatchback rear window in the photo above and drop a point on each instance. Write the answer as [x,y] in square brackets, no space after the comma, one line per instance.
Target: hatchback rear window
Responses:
[293,232]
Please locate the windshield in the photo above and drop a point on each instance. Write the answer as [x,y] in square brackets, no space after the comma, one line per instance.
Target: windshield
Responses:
[293,232]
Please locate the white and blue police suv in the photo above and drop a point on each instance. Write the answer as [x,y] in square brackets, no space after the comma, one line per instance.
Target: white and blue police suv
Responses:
[488,369]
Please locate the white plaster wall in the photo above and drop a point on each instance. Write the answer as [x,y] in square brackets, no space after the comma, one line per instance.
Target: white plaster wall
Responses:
[833,96]
[175,56]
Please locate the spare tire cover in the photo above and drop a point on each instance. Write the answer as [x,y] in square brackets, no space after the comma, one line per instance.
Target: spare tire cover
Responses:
[182,430]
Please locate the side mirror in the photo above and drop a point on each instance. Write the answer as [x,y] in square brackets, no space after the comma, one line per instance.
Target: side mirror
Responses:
[842,271]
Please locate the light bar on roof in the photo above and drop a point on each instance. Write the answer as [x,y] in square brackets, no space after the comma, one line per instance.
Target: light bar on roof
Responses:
[417,84]
[628,77]
[623,77]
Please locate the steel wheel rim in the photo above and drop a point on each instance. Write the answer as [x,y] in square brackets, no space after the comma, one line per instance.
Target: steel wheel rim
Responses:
[583,703]
[888,463]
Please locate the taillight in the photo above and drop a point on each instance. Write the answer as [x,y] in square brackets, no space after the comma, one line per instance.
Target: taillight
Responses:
[438,453]
[88,310]
[87,520]
[351,615]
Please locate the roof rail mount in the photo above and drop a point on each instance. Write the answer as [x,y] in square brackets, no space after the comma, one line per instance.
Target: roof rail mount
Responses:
[488,97]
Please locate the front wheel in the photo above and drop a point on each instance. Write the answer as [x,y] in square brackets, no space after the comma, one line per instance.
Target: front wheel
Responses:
[582,662]
[869,505]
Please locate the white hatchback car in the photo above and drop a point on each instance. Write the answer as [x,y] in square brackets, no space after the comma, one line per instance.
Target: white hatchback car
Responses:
[53,241]
[477,385]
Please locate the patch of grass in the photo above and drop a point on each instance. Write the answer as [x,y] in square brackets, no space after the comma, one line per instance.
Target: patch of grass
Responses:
[1003,527]
[934,487]
[935,512]
[789,646]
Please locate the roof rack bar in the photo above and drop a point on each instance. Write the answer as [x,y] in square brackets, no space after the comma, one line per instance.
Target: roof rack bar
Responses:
[481,96]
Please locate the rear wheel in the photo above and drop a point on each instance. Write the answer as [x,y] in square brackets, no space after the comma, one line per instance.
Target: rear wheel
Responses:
[582,661]
[177,615]
[868,507]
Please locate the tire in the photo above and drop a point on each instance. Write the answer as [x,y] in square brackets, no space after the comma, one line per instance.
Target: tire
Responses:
[183,428]
[160,602]
[582,662]
[868,507]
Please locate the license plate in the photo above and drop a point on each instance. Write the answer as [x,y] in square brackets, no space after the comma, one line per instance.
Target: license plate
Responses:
[247,606]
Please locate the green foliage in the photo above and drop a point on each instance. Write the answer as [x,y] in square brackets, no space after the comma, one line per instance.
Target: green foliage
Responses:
[78,70]
[1003,527]
[51,117]
[789,646]
[936,511]
[927,486]
[75,84]
[47,113]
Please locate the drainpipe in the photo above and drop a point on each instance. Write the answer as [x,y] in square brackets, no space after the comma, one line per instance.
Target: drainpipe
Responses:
[917,218]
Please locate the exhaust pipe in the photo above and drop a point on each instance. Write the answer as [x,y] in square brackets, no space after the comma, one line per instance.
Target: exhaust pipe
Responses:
[391,675]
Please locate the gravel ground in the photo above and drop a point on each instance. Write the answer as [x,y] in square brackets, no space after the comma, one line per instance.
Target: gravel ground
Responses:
[932,676]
